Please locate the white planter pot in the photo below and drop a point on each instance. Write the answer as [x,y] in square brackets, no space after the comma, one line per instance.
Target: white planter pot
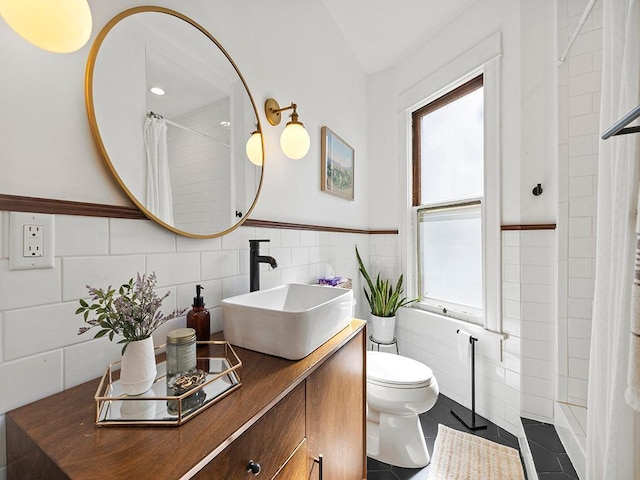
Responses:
[138,368]
[382,329]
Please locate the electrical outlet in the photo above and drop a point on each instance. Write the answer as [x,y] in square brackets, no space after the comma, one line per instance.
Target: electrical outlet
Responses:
[31,241]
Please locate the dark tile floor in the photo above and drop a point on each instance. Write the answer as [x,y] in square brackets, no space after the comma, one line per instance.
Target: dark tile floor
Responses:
[549,456]
[440,413]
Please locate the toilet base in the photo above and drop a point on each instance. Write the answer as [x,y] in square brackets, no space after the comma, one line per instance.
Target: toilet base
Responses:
[396,440]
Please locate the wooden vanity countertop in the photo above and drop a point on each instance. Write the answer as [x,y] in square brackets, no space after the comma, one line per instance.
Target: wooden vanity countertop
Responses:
[58,433]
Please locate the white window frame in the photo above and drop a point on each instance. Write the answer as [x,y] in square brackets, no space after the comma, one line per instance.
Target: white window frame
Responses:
[485,59]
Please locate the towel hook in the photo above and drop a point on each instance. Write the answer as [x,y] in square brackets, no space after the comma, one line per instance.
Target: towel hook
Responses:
[537,190]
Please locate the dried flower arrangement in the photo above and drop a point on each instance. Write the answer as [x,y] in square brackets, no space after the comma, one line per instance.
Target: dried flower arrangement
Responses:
[133,313]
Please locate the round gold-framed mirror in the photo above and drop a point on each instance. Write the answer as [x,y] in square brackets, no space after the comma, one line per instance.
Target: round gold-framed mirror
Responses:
[171,114]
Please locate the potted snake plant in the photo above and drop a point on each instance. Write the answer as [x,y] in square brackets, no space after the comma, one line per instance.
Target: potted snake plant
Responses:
[384,301]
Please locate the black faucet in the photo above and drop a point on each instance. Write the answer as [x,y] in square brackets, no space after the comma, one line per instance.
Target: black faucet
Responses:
[255,259]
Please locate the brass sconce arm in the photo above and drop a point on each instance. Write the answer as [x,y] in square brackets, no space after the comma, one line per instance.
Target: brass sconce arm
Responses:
[294,140]
[272,110]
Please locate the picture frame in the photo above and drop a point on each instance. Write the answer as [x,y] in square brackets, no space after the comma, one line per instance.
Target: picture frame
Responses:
[338,162]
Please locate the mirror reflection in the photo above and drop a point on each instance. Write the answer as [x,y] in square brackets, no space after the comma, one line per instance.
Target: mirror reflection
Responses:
[171,114]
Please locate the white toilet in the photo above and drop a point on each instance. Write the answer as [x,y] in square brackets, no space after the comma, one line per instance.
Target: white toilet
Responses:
[398,390]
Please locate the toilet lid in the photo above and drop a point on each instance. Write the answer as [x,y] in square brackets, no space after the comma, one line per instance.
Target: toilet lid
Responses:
[397,371]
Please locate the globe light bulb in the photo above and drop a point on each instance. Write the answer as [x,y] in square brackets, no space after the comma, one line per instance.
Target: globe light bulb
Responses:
[254,148]
[295,141]
[59,26]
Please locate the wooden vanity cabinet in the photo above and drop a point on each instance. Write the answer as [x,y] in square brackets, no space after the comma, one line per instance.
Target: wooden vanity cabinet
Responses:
[297,466]
[284,416]
[269,443]
[330,402]
[335,413]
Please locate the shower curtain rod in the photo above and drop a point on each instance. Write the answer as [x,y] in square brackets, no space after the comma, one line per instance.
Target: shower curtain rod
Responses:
[618,127]
[171,122]
[583,18]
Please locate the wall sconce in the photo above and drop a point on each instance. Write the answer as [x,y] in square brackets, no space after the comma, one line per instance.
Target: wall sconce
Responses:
[254,147]
[59,26]
[294,140]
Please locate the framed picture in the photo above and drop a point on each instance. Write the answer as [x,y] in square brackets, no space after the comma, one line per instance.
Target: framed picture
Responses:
[337,165]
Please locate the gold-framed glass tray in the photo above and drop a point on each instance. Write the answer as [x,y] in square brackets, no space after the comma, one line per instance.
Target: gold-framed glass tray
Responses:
[216,376]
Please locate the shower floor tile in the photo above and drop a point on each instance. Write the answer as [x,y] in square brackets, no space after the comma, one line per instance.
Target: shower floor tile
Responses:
[549,456]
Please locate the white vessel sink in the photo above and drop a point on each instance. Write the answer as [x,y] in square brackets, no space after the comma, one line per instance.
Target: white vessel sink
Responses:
[289,321]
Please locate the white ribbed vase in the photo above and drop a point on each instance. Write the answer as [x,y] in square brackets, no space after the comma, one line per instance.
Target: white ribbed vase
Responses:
[382,329]
[138,368]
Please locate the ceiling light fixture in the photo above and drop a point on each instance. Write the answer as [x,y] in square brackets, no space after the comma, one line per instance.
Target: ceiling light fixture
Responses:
[157,91]
[294,140]
[59,26]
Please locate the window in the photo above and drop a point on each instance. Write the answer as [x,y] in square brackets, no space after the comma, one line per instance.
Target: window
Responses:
[448,193]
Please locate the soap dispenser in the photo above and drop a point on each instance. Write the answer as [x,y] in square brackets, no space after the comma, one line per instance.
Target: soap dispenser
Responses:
[198,317]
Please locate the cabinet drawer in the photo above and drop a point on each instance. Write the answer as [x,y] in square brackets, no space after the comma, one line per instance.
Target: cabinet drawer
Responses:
[270,442]
[298,465]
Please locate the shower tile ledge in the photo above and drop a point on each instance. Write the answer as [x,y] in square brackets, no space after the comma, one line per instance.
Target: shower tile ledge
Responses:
[572,435]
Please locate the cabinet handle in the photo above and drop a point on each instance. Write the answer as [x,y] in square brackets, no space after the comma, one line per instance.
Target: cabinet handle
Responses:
[253,467]
[319,462]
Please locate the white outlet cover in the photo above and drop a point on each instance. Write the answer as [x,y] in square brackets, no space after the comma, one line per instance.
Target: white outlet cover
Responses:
[17,221]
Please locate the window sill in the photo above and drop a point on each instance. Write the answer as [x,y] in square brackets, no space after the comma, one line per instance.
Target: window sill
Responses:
[443,320]
[451,312]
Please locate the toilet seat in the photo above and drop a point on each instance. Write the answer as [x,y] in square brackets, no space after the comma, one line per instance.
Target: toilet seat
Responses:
[394,371]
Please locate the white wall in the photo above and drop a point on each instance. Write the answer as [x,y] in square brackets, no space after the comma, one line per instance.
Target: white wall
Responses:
[538,158]
[522,381]
[527,108]
[291,51]
[549,136]
[442,50]
[119,79]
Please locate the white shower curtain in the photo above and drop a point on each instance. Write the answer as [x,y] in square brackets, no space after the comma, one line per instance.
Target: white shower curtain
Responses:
[159,197]
[613,428]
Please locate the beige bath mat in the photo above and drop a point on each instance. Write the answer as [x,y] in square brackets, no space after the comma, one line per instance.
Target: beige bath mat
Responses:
[462,456]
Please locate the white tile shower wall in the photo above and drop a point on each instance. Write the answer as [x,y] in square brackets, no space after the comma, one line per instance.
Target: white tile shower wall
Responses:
[199,167]
[40,351]
[538,323]
[579,105]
